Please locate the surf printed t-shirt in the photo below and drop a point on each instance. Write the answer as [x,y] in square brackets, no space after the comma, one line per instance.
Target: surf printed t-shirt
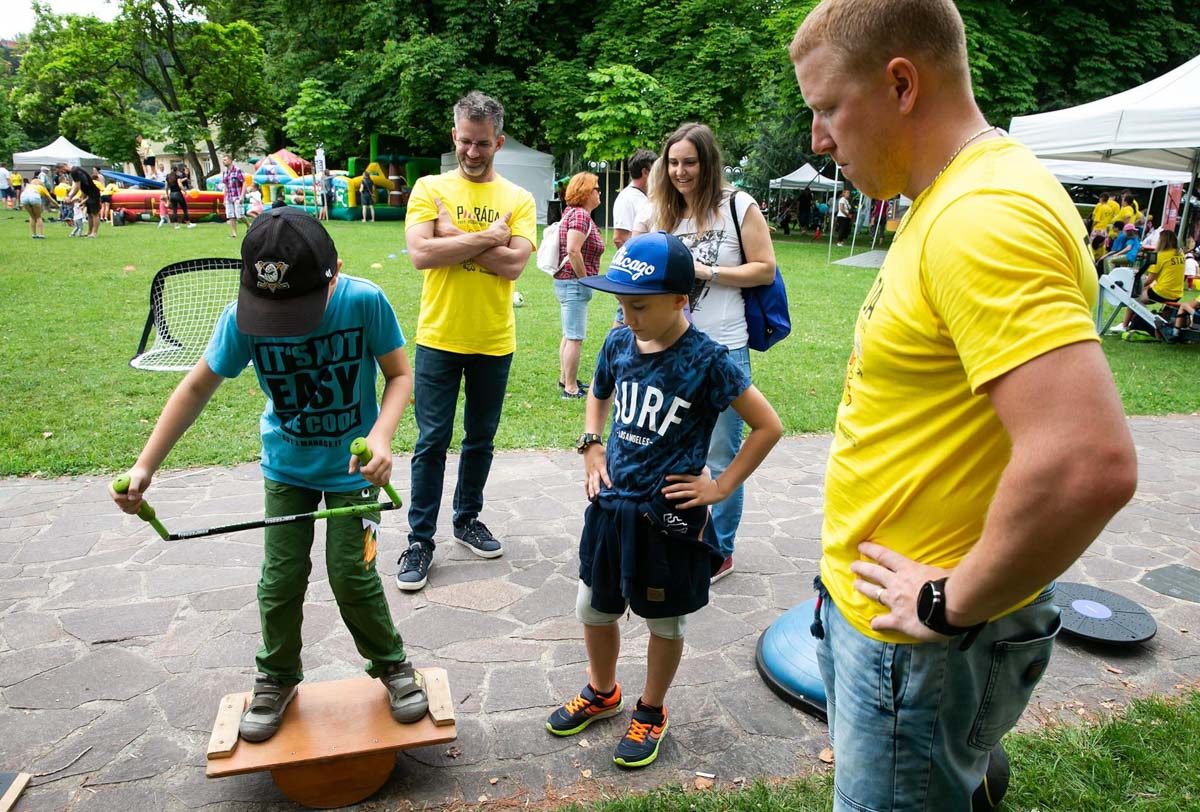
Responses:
[320,387]
[918,449]
[465,309]
[665,405]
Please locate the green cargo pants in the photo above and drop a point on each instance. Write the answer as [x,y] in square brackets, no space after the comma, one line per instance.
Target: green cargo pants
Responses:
[350,561]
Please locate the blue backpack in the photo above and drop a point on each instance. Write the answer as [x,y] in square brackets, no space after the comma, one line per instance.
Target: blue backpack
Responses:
[767,318]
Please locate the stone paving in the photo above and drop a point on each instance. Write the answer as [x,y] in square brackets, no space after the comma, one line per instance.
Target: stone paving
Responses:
[115,646]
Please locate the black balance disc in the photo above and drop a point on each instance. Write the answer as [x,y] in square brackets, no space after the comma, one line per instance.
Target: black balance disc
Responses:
[1101,616]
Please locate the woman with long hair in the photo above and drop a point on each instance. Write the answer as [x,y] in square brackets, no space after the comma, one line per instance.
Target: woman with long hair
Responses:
[690,199]
[580,243]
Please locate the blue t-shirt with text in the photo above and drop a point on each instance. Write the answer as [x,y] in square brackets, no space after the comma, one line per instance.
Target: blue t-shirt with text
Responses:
[320,387]
[665,405]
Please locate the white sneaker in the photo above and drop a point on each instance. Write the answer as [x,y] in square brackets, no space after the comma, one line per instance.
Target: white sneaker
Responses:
[178,227]
[191,225]
[1117,328]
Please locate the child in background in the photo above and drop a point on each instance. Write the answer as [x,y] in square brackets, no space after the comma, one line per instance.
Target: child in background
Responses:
[164,214]
[646,542]
[317,341]
[78,216]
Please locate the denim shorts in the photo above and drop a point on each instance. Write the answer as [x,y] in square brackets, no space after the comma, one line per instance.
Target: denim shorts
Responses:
[573,299]
[668,628]
[912,725]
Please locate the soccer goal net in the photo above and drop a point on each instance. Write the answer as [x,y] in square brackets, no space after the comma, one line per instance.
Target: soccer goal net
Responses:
[186,299]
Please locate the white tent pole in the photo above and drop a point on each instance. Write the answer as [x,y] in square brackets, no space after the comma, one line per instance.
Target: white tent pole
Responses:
[1187,203]
[832,213]
[854,223]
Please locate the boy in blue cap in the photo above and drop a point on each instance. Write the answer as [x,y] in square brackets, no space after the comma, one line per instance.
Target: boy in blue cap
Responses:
[646,544]
[317,341]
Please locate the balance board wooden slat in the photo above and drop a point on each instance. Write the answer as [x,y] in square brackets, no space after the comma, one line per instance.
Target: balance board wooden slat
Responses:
[224,736]
[11,787]
[335,720]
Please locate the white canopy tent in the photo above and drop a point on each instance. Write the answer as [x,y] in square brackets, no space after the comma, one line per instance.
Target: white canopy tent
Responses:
[1099,173]
[1153,125]
[60,151]
[806,177]
[533,171]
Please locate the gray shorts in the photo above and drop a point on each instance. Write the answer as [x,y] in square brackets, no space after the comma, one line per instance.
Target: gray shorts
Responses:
[668,628]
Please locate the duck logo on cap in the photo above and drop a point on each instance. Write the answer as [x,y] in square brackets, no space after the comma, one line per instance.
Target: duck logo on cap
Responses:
[270,275]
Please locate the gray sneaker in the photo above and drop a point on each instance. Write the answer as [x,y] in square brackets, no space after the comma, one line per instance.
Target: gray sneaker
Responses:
[263,717]
[475,536]
[406,692]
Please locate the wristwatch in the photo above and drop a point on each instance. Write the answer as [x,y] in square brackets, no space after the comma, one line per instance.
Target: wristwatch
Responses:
[931,611]
[586,439]
[715,272]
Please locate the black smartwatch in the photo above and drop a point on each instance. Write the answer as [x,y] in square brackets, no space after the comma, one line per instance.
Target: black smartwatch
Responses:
[931,611]
[586,439]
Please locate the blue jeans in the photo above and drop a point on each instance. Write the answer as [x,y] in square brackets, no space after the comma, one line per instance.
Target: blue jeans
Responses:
[920,720]
[722,448]
[438,374]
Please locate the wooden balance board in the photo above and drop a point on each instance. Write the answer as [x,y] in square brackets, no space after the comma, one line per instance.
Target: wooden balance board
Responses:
[337,744]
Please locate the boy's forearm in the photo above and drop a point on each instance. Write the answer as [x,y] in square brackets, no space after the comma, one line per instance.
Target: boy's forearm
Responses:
[596,414]
[396,393]
[754,450]
[181,410]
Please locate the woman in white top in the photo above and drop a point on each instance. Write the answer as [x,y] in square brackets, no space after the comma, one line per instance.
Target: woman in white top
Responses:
[689,199]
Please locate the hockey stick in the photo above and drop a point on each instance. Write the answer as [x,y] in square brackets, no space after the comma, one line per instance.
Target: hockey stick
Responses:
[358,447]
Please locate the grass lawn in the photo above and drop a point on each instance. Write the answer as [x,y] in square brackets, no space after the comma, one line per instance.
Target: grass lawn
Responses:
[1144,760]
[73,314]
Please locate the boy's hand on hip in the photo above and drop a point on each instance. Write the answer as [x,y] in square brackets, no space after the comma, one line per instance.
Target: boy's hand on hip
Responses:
[596,470]
[697,490]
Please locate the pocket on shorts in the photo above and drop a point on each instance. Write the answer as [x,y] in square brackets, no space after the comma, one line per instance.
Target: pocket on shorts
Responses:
[1017,667]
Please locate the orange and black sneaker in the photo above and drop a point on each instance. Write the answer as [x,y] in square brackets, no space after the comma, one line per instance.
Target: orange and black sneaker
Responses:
[584,709]
[639,746]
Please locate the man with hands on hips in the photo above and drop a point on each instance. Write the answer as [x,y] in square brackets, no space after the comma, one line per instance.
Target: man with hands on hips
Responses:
[961,479]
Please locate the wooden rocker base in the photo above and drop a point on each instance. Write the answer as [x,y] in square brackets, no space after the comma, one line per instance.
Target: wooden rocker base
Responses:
[337,744]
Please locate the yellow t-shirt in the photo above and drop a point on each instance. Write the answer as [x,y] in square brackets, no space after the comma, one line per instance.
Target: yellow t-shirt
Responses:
[1126,214]
[1101,217]
[1114,206]
[1169,266]
[918,449]
[465,309]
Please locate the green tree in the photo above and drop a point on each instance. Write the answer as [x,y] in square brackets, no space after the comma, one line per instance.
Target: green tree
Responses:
[317,119]
[619,113]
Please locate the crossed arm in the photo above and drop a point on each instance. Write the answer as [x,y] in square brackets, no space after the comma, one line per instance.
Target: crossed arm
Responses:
[437,243]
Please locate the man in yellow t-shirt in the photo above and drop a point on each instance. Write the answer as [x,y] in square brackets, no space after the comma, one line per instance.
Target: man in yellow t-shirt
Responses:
[961,481]
[1102,214]
[471,232]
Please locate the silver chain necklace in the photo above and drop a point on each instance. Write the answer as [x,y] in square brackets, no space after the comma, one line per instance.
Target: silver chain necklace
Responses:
[942,171]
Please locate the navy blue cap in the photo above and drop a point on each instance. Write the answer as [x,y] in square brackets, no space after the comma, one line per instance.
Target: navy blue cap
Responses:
[647,265]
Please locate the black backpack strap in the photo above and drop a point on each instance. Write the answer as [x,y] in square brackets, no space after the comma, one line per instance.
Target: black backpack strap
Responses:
[737,227]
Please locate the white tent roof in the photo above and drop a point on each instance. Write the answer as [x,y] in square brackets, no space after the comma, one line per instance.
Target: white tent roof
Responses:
[533,171]
[1100,173]
[806,177]
[60,151]
[1155,125]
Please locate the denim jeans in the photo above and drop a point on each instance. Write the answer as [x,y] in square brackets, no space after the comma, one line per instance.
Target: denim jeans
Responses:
[438,374]
[912,725]
[722,448]
[573,299]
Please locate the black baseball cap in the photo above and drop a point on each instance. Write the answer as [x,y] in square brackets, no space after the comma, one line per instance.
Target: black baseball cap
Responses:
[288,259]
[648,265]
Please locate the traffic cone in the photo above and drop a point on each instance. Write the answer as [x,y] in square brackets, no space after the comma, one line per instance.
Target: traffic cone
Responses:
[817,233]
